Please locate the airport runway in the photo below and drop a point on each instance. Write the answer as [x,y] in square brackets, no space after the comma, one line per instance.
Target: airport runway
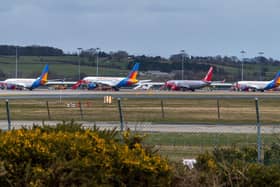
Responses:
[150,127]
[86,94]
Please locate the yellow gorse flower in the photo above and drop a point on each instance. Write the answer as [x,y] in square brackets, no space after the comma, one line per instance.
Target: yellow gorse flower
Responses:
[41,149]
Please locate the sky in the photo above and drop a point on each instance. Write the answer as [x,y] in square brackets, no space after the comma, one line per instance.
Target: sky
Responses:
[148,27]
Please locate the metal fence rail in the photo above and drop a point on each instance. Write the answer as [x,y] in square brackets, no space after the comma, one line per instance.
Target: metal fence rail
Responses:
[180,127]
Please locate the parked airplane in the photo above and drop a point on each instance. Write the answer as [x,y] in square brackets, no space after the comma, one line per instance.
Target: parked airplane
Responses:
[190,84]
[27,83]
[59,84]
[148,85]
[113,82]
[258,85]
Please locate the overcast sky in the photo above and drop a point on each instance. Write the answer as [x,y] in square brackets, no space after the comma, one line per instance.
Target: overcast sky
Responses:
[150,27]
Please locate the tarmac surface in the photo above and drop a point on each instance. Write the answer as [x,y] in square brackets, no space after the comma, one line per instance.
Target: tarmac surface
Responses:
[201,94]
[150,127]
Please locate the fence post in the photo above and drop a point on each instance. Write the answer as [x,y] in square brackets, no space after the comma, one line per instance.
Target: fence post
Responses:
[81,110]
[49,115]
[259,143]
[218,108]
[162,109]
[121,115]
[8,114]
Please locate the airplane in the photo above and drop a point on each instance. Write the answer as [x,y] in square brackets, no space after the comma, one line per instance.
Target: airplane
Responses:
[148,85]
[221,85]
[258,85]
[190,84]
[59,84]
[30,84]
[112,82]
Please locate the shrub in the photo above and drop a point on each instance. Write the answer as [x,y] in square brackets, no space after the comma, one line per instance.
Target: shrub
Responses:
[72,156]
[234,166]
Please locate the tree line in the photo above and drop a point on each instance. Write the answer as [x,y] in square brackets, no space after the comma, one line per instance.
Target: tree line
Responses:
[193,65]
[34,50]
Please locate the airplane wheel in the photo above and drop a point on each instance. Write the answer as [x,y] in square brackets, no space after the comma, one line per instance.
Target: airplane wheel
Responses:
[116,89]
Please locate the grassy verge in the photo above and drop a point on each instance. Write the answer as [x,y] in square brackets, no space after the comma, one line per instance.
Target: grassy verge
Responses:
[188,145]
[146,110]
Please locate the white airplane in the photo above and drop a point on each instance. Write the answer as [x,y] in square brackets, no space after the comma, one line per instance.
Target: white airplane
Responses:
[190,84]
[22,83]
[113,82]
[148,85]
[221,85]
[258,85]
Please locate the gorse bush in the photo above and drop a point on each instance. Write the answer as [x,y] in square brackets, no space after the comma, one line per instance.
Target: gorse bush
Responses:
[235,166]
[73,156]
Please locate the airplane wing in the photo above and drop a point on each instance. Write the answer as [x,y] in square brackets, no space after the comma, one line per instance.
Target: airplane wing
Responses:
[16,85]
[21,85]
[252,86]
[4,85]
[60,83]
[106,83]
[183,85]
[143,81]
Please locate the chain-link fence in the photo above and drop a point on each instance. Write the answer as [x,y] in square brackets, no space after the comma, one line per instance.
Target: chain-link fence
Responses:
[178,127]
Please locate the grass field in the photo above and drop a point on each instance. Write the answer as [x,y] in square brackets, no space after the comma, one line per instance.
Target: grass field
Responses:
[173,145]
[188,145]
[60,67]
[67,67]
[147,110]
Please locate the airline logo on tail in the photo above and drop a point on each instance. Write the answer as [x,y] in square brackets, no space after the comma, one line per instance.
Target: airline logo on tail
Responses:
[44,75]
[131,78]
[43,79]
[277,80]
[274,83]
[134,72]
[208,77]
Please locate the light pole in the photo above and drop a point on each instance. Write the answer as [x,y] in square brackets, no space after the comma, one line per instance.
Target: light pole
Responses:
[16,61]
[79,62]
[261,54]
[97,53]
[182,65]
[242,62]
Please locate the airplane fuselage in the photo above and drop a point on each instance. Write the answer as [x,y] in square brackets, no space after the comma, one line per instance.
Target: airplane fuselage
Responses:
[112,81]
[103,78]
[256,85]
[186,84]
[20,82]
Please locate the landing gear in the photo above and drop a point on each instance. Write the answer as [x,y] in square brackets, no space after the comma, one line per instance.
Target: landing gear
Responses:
[183,89]
[116,89]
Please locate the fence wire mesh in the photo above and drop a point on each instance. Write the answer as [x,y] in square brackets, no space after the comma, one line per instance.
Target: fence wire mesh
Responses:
[180,128]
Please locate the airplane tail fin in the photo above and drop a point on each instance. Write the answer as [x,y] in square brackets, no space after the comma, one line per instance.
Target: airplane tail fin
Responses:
[42,80]
[275,82]
[134,72]
[130,79]
[44,75]
[208,76]
[276,79]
